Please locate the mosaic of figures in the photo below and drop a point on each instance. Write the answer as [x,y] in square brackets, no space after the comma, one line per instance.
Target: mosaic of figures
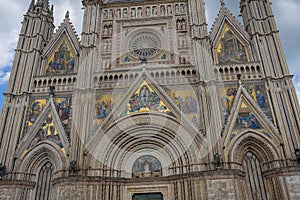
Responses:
[246,118]
[187,101]
[48,132]
[103,106]
[145,11]
[145,100]
[62,60]
[146,166]
[230,49]
[256,91]
[63,108]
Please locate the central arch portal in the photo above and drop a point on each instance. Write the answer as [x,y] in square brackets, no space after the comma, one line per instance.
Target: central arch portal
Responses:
[150,196]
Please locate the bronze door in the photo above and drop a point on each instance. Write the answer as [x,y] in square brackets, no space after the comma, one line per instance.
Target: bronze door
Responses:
[151,196]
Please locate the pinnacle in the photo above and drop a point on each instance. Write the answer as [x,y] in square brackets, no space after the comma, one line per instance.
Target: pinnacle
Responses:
[222,3]
[67,16]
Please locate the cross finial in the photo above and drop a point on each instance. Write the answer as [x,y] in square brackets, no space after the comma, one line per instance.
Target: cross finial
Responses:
[222,2]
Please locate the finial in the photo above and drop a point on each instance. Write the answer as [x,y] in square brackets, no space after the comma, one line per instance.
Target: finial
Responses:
[222,3]
[67,15]
[51,88]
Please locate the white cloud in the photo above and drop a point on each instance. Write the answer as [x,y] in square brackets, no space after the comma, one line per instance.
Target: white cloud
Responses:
[12,15]
[9,29]
[4,77]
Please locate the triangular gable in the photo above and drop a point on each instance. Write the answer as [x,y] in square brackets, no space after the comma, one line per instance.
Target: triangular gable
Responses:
[65,29]
[245,115]
[226,17]
[62,50]
[145,99]
[230,41]
[158,101]
[47,127]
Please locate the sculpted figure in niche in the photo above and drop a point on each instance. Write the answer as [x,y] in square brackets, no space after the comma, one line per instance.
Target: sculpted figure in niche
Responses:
[177,8]
[169,10]
[147,168]
[178,24]
[111,13]
[105,30]
[107,45]
[182,60]
[148,12]
[183,24]
[118,13]
[139,12]
[133,13]
[105,15]
[163,10]
[110,30]
[182,8]
[125,12]
[154,10]
[182,42]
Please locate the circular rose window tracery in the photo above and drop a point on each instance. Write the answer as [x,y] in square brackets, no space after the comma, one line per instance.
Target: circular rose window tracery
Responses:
[145,45]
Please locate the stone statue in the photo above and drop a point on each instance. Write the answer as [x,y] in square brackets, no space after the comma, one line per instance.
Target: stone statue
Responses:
[148,13]
[147,168]
[217,160]
[133,14]
[2,170]
[73,167]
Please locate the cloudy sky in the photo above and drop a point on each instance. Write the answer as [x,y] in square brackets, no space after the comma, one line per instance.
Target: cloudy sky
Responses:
[11,14]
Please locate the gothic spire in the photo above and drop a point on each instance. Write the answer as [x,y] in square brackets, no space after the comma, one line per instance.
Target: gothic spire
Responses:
[31,4]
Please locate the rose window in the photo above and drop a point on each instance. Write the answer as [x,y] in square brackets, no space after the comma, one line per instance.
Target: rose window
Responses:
[145,45]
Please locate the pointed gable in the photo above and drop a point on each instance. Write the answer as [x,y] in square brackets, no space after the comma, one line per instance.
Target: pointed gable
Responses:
[246,115]
[47,132]
[144,96]
[229,40]
[47,126]
[61,53]
[145,99]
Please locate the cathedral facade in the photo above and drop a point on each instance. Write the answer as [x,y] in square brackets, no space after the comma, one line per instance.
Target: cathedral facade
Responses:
[150,105]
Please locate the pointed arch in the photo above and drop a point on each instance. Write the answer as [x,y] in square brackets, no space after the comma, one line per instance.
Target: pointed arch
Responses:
[43,152]
[250,140]
[43,161]
[256,154]
[153,134]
